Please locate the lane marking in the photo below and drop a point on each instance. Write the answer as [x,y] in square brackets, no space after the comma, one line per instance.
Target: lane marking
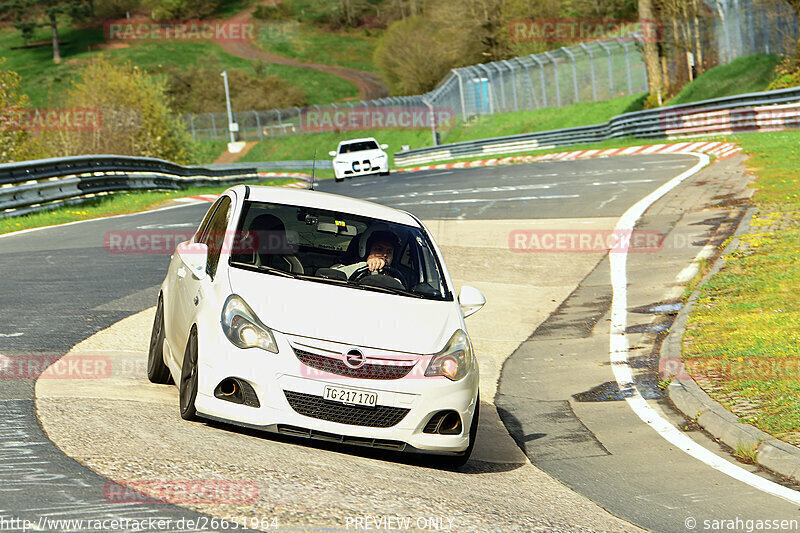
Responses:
[606,202]
[482,200]
[41,228]
[11,335]
[618,349]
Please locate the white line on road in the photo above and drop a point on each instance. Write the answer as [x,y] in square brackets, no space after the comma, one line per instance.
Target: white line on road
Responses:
[606,202]
[11,335]
[482,200]
[618,346]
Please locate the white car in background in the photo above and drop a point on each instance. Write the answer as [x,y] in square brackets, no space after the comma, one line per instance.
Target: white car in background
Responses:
[359,157]
[258,326]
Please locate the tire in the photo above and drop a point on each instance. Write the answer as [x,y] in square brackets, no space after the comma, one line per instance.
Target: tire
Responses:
[188,383]
[385,173]
[456,461]
[339,180]
[157,370]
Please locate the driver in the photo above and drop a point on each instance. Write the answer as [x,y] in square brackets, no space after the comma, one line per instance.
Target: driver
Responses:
[380,252]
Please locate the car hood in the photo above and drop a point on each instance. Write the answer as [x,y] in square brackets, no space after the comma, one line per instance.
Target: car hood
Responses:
[347,315]
[364,154]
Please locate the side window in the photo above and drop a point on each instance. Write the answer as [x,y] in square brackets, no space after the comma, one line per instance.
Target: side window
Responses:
[201,229]
[214,235]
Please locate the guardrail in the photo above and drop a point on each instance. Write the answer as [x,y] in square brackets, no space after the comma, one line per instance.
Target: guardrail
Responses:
[763,111]
[42,184]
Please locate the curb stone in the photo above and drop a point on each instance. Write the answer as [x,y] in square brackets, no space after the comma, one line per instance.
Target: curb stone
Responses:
[686,395]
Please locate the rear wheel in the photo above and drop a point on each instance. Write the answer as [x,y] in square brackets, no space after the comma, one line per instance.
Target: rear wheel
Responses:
[188,386]
[157,371]
[455,461]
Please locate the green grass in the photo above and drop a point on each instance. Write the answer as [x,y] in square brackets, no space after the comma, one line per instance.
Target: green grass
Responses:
[743,75]
[551,118]
[745,327]
[113,204]
[45,82]
[312,44]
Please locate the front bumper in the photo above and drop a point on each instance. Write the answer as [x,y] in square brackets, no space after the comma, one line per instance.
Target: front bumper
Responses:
[361,167]
[286,388]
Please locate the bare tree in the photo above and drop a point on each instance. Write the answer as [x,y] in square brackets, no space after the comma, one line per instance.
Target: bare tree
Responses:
[651,61]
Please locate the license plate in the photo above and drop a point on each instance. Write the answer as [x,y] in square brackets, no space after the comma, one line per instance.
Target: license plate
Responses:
[351,396]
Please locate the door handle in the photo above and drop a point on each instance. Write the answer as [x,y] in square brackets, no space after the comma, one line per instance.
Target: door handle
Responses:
[196,300]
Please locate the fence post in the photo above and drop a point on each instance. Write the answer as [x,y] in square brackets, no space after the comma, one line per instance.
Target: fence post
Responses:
[213,126]
[555,75]
[591,69]
[541,73]
[491,83]
[605,47]
[501,86]
[574,73]
[299,118]
[627,65]
[513,82]
[191,122]
[461,95]
[258,126]
[530,83]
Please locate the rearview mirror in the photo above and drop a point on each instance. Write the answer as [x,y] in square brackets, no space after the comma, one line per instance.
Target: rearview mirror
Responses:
[194,255]
[332,153]
[471,300]
[327,227]
[384,146]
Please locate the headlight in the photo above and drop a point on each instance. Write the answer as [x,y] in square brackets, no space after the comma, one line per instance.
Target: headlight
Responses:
[243,328]
[455,360]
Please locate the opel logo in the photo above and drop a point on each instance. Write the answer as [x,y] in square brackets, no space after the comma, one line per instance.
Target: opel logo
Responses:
[355,359]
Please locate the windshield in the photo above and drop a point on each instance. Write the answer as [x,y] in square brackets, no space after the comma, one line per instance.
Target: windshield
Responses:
[333,247]
[358,147]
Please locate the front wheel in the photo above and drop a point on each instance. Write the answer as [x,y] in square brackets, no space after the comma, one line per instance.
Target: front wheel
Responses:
[456,461]
[188,386]
[157,371]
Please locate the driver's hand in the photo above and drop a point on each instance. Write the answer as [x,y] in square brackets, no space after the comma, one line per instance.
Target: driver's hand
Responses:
[375,263]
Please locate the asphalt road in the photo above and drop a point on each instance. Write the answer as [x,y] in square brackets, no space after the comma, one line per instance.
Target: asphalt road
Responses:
[60,286]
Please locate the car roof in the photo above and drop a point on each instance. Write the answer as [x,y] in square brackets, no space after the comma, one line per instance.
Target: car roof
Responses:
[348,141]
[331,202]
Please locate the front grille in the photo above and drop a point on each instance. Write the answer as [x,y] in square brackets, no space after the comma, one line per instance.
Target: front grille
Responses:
[380,416]
[337,366]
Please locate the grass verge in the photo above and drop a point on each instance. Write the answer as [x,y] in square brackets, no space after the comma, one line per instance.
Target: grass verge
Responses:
[743,336]
[743,75]
[113,204]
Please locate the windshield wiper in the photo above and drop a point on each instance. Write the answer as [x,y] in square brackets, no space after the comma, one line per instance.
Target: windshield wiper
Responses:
[390,290]
[267,269]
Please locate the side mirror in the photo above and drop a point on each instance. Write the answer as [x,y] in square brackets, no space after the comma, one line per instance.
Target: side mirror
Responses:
[384,146]
[194,255]
[332,153]
[471,300]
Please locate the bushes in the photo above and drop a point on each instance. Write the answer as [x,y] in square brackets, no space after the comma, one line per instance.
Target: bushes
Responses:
[135,117]
[200,89]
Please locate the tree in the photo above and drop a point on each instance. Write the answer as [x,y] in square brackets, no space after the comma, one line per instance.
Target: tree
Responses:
[652,63]
[27,15]
[133,111]
[796,6]
[13,137]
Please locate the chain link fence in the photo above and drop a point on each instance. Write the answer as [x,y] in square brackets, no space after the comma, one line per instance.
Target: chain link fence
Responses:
[587,72]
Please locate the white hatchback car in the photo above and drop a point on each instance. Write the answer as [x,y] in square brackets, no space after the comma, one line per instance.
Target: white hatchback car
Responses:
[359,157]
[260,323]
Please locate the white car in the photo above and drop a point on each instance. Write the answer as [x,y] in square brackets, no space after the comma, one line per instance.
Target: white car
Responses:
[258,325]
[359,157]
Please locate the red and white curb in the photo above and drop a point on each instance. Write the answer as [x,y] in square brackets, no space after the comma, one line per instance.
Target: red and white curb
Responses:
[721,150]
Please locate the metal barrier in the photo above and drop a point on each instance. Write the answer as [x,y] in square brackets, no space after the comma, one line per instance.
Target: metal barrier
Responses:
[31,186]
[763,111]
